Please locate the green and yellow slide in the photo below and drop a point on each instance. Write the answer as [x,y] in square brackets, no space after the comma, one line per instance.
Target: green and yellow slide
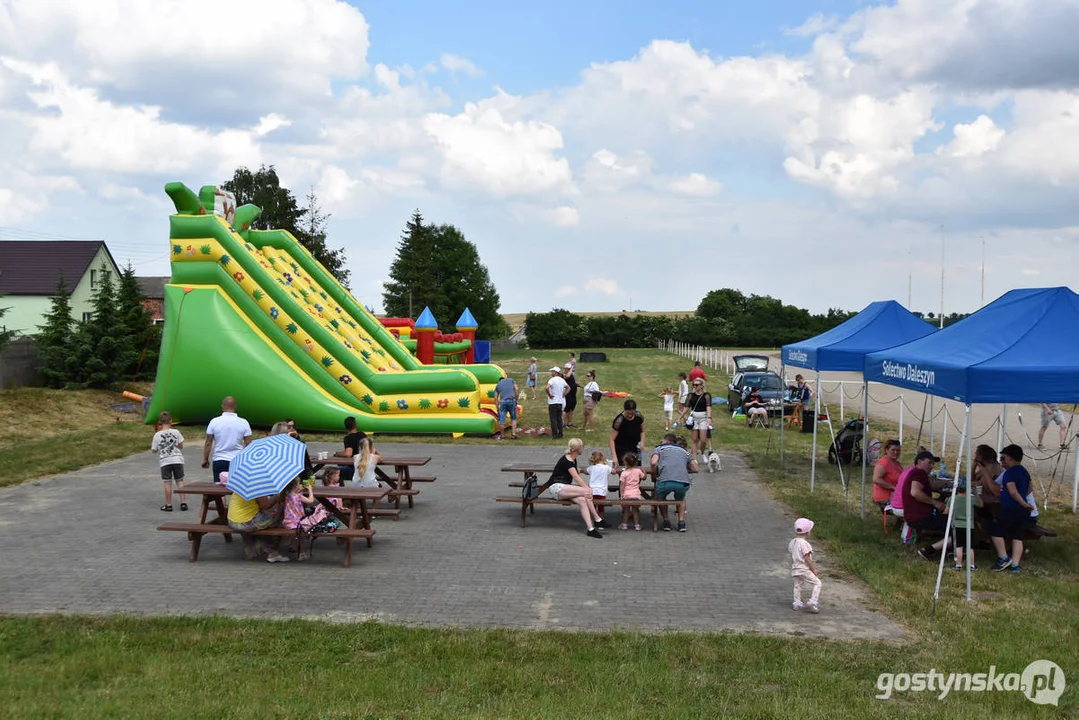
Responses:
[250,313]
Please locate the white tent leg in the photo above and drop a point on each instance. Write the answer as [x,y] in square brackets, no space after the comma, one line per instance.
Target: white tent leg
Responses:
[813,462]
[1000,428]
[783,420]
[901,403]
[865,436]
[944,435]
[932,421]
[970,491]
[948,526]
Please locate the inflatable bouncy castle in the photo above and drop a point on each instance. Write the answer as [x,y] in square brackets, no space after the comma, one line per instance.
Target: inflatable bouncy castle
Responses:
[250,313]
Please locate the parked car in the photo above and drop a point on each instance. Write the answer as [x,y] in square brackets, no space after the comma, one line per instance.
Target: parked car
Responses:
[750,363]
[773,391]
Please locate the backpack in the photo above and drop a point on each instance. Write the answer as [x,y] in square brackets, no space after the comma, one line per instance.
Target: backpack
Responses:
[530,491]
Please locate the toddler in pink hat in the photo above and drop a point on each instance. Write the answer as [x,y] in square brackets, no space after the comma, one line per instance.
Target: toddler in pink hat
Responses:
[803,570]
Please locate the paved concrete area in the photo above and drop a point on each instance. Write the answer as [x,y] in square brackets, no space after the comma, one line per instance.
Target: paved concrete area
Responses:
[85,542]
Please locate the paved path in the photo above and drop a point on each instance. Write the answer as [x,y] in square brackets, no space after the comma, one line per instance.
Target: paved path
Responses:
[85,542]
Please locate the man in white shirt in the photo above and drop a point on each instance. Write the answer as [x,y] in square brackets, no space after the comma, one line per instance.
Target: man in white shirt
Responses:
[557,389]
[226,435]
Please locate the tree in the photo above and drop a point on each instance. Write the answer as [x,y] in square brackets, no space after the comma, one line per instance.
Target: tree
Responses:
[6,335]
[312,235]
[136,323]
[102,348]
[281,211]
[437,267]
[55,338]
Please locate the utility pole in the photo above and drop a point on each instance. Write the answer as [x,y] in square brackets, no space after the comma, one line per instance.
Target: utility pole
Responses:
[983,272]
[942,275]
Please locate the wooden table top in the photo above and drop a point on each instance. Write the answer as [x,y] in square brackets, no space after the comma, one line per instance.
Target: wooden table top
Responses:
[388,461]
[347,492]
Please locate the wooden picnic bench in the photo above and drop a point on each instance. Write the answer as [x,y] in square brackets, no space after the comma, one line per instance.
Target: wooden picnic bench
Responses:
[357,518]
[400,482]
[530,505]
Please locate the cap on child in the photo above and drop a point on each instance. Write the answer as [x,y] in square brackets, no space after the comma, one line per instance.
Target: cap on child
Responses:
[802,526]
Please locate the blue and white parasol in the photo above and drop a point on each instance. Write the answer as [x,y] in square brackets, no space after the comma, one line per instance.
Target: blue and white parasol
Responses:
[266,466]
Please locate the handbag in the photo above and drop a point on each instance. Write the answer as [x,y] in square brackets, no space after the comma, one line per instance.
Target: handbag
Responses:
[596,396]
[309,522]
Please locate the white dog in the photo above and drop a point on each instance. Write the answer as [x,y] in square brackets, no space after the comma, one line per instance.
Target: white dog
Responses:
[714,464]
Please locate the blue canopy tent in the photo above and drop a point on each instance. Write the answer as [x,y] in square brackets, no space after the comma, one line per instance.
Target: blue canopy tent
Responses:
[880,325]
[1021,348]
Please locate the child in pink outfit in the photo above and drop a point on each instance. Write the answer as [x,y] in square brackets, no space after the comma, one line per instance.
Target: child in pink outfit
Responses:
[629,488]
[803,570]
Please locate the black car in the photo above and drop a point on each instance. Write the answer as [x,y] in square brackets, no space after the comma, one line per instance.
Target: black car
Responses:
[772,389]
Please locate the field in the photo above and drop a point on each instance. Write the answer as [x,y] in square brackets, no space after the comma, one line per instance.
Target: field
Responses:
[70,667]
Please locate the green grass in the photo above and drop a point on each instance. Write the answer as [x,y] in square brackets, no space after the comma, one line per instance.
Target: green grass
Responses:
[214,667]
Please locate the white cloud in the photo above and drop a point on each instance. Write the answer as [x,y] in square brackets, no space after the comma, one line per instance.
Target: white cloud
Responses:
[814,25]
[566,216]
[564,291]
[456,63]
[695,184]
[76,127]
[269,123]
[602,286]
[210,51]
[976,138]
[481,149]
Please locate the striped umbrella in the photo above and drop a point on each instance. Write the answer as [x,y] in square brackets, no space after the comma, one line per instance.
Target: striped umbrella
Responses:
[266,466]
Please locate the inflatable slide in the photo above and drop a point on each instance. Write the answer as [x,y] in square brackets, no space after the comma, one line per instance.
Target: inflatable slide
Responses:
[250,313]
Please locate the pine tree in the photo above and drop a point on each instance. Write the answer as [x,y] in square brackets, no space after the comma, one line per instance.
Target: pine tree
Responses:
[311,233]
[6,335]
[103,349]
[55,338]
[137,324]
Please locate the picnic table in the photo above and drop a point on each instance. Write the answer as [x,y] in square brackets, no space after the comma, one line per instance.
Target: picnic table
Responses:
[357,517]
[402,478]
[648,498]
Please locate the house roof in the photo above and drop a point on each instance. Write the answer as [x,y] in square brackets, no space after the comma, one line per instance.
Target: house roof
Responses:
[153,287]
[32,267]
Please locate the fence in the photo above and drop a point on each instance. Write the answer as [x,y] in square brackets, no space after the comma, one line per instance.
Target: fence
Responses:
[19,362]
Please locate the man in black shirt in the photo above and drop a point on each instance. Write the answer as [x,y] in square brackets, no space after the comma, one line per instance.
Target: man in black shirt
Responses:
[353,437]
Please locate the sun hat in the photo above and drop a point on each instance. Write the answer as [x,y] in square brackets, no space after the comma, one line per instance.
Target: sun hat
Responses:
[555,369]
[802,526]
[569,366]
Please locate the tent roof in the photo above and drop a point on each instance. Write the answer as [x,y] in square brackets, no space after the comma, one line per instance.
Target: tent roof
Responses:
[880,325]
[1022,347]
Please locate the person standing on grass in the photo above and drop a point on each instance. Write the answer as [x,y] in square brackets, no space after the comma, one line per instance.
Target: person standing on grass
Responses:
[803,569]
[506,396]
[1015,507]
[556,400]
[168,444]
[570,376]
[591,398]
[697,373]
[672,467]
[683,388]
[532,375]
[668,406]
[226,435]
[567,484]
[627,432]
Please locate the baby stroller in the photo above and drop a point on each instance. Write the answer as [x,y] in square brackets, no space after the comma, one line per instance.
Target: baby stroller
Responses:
[847,447]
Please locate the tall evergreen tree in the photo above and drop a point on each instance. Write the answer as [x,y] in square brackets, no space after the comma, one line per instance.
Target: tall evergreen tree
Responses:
[437,267]
[103,348]
[136,323]
[55,339]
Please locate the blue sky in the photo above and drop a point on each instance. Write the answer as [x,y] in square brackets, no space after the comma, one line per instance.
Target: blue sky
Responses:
[597,153]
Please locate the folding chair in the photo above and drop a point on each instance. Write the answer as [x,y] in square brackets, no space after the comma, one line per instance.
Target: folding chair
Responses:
[757,421]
